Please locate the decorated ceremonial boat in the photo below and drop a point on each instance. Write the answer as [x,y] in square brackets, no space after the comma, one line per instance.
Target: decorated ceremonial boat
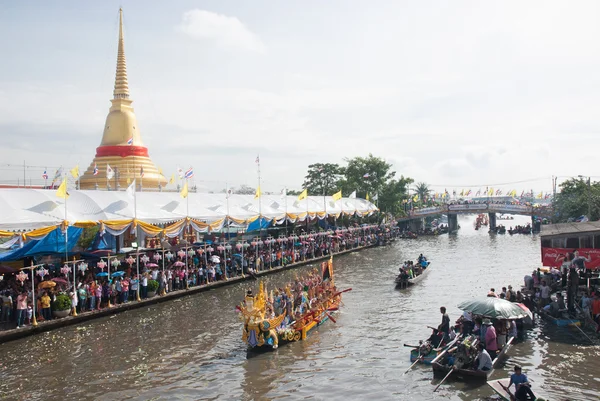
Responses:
[302,310]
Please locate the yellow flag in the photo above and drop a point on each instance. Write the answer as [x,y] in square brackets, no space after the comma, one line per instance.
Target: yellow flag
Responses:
[172,180]
[367,196]
[303,195]
[257,193]
[160,171]
[337,196]
[416,198]
[75,172]
[491,192]
[184,191]
[61,192]
[540,195]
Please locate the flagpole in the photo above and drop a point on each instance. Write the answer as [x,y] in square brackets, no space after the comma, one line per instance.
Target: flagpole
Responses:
[259,198]
[137,248]
[227,216]
[307,211]
[286,213]
[67,223]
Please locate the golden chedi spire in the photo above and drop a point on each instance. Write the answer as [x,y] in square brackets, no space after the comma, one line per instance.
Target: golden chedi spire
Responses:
[121,146]
[121,85]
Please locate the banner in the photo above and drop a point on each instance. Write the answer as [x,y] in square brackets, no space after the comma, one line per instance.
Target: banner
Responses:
[552,257]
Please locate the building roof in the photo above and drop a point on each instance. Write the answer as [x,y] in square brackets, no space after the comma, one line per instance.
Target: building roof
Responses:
[570,229]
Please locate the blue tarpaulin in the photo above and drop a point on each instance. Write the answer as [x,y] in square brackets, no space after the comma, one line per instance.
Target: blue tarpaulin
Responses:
[259,224]
[52,243]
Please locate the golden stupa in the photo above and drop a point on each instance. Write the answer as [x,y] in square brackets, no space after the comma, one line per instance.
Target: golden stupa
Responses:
[121,147]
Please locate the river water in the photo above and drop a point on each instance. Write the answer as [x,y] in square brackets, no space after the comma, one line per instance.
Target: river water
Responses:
[191,348]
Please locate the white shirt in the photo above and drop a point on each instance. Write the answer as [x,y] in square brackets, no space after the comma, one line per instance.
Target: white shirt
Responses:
[144,281]
[545,291]
[485,361]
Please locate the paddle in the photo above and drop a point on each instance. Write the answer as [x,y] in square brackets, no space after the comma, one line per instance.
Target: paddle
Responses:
[444,379]
[411,346]
[331,317]
[512,397]
[414,363]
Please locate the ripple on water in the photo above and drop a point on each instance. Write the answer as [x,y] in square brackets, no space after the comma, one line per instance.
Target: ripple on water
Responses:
[191,348]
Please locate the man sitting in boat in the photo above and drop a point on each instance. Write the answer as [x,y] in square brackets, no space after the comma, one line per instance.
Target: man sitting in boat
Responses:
[436,338]
[483,360]
[522,386]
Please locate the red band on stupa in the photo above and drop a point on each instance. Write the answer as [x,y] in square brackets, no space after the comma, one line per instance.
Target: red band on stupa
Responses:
[122,151]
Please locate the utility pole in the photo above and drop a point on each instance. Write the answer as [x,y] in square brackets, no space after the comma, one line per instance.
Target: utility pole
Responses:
[589,185]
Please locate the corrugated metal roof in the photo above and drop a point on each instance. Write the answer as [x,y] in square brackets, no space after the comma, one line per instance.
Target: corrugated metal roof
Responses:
[565,229]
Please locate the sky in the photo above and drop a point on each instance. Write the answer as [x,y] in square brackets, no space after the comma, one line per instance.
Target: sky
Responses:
[460,94]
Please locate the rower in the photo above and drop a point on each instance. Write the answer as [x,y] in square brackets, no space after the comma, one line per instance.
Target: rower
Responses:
[444,327]
[483,360]
[522,386]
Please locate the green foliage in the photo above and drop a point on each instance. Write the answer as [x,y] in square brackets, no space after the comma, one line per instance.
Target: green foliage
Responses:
[422,189]
[152,285]
[244,190]
[63,302]
[577,197]
[323,178]
[365,175]
[291,192]
[87,237]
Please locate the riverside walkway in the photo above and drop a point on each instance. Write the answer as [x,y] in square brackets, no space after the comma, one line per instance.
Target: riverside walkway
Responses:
[14,334]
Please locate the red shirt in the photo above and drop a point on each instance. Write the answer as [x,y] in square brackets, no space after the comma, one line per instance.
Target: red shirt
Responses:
[596,306]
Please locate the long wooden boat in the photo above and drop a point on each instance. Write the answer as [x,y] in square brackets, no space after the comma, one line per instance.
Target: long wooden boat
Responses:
[500,386]
[414,280]
[262,332]
[445,365]
[425,354]
[563,321]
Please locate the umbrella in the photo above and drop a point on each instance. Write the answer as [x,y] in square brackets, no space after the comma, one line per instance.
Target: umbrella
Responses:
[215,259]
[7,269]
[118,274]
[102,274]
[151,265]
[495,308]
[178,264]
[237,255]
[59,280]
[526,309]
[47,284]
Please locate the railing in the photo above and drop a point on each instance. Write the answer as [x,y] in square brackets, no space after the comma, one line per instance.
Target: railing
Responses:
[480,208]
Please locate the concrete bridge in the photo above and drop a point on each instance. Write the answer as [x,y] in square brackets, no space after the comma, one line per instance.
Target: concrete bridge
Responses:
[452,210]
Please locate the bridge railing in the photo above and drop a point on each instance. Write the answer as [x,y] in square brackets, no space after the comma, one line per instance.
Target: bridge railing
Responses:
[544,211]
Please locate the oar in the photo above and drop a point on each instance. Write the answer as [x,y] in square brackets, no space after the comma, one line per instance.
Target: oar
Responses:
[589,339]
[444,379]
[414,363]
[331,317]
[512,397]
[411,346]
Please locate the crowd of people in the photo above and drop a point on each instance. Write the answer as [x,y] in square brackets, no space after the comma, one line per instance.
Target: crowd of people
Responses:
[95,290]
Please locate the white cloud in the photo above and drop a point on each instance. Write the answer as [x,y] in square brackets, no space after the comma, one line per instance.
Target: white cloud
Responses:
[225,31]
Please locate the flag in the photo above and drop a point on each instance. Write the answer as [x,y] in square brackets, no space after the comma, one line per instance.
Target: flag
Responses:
[189,173]
[95,169]
[179,172]
[522,194]
[257,159]
[57,175]
[184,191]
[45,175]
[541,195]
[283,193]
[228,194]
[172,180]
[337,196]
[160,171]
[491,192]
[478,192]
[142,172]
[131,189]
[375,197]
[367,175]
[352,195]
[257,193]
[367,197]
[130,141]
[303,195]
[110,173]
[61,192]
[468,192]
[462,192]
[416,198]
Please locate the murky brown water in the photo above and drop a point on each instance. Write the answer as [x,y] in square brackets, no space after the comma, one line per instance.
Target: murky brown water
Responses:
[191,348]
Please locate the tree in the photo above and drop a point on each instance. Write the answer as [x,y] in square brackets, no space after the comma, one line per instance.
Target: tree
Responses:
[577,197]
[243,190]
[323,178]
[373,175]
[423,191]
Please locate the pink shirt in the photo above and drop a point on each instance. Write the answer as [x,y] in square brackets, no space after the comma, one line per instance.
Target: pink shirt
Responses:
[490,339]
[22,301]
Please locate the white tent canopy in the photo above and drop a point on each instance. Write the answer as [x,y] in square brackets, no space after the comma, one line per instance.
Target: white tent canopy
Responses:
[27,209]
